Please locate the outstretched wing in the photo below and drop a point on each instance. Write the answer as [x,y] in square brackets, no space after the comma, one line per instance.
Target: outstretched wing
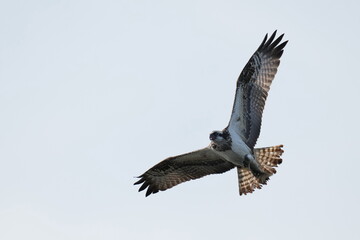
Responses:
[175,170]
[252,89]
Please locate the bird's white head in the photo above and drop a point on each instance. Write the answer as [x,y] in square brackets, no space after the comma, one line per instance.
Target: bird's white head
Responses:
[217,137]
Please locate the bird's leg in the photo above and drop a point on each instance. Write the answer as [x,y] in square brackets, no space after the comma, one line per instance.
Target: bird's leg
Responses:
[250,162]
[246,161]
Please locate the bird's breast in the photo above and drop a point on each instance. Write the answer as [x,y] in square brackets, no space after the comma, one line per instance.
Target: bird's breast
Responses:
[236,154]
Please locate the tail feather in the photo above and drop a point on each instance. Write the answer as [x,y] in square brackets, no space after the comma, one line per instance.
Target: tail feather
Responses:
[247,181]
[268,158]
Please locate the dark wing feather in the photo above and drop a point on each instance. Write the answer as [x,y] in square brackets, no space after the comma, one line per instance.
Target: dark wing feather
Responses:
[252,89]
[175,170]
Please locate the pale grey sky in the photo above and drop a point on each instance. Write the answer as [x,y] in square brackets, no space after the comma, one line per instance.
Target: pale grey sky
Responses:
[93,93]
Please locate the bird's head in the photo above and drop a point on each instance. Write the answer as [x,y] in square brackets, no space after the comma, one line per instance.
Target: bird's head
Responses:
[220,140]
[216,136]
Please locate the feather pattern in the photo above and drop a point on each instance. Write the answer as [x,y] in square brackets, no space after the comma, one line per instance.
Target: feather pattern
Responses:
[237,140]
[268,158]
[252,89]
[175,170]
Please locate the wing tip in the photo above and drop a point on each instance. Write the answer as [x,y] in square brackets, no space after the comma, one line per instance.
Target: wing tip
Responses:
[272,44]
[141,180]
[146,184]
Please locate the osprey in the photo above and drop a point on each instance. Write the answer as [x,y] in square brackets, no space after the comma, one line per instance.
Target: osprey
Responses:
[233,146]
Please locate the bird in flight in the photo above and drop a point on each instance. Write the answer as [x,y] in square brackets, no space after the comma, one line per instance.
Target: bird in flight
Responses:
[234,145]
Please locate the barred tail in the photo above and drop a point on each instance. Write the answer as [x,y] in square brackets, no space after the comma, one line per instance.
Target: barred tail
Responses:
[268,158]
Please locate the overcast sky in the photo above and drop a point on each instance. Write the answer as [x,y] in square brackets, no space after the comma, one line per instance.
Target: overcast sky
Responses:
[93,93]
